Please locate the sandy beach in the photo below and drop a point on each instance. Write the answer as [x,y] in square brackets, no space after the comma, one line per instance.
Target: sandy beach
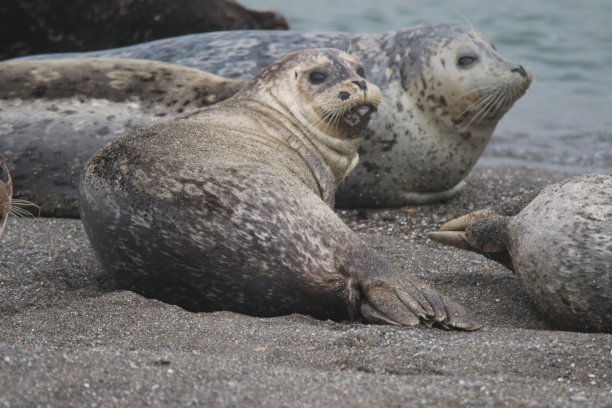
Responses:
[68,336]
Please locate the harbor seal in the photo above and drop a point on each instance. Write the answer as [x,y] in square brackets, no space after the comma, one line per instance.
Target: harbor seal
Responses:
[55,114]
[558,240]
[6,193]
[445,87]
[230,207]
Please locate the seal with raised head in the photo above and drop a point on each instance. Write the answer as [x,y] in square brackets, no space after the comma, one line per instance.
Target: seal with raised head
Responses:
[230,207]
[558,240]
[445,87]
[6,193]
[55,114]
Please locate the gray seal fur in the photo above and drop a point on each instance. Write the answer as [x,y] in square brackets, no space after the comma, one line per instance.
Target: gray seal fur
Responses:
[230,207]
[55,114]
[558,241]
[436,117]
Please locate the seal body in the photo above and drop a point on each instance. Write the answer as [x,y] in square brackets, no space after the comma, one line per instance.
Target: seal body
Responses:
[230,207]
[559,243]
[6,193]
[54,115]
[445,88]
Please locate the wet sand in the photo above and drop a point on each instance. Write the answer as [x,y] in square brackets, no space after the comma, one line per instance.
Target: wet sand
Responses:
[68,336]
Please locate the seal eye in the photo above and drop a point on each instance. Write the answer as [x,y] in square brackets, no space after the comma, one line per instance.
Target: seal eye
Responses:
[466,61]
[3,174]
[361,72]
[317,77]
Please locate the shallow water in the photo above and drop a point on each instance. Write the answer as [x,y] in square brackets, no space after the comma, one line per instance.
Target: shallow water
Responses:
[565,119]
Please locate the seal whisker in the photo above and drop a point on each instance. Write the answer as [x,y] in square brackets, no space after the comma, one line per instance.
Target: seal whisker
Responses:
[480,101]
[18,213]
[490,99]
[474,30]
[485,111]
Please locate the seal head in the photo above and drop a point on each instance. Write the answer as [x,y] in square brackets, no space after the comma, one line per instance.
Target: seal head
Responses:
[448,88]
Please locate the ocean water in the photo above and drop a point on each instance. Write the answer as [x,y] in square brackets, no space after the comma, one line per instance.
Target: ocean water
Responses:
[565,120]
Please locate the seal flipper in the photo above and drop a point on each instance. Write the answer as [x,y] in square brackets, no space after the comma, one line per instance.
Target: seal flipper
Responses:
[483,232]
[388,298]
[408,302]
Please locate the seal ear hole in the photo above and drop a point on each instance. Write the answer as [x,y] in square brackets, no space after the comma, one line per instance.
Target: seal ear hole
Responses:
[361,72]
[317,77]
[466,61]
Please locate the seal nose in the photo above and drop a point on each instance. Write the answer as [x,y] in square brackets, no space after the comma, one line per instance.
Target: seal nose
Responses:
[361,84]
[521,70]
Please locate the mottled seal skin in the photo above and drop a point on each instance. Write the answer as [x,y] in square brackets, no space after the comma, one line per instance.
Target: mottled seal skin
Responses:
[6,193]
[55,114]
[445,88]
[558,241]
[230,207]
[43,26]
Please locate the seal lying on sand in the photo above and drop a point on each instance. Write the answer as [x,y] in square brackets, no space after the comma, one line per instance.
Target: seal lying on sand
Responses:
[445,89]
[229,207]
[54,115]
[6,193]
[558,240]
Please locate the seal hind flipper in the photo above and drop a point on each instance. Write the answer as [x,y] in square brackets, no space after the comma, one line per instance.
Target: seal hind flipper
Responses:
[408,302]
[484,231]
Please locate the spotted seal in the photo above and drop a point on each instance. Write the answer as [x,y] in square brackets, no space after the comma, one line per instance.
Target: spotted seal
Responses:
[558,240]
[55,114]
[6,193]
[230,207]
[445,87]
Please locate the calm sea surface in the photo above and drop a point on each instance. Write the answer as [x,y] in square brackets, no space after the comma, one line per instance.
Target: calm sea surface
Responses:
[565,119]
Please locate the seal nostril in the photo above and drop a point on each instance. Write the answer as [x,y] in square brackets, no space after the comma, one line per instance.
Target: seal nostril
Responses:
[521,70]
[343,96]
[362,85]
